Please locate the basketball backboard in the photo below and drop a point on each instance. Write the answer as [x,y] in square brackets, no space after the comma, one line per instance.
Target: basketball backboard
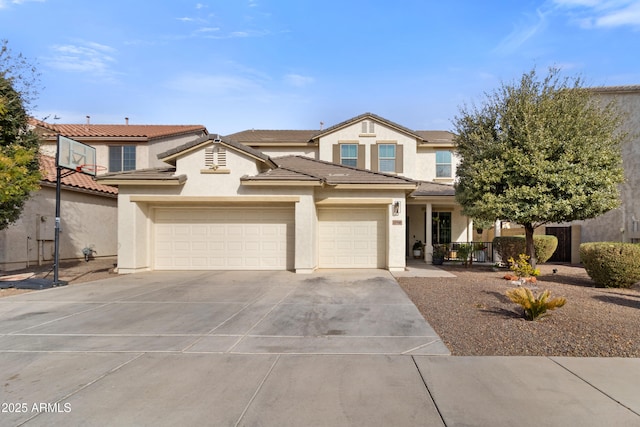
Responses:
[74,155]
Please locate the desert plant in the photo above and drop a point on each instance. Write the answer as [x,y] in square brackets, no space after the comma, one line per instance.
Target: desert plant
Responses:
[534,306]
[611,264]
[464,253]
[511,246]
[522,268]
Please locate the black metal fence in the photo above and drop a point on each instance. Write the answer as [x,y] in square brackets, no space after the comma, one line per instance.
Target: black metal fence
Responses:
[479,251]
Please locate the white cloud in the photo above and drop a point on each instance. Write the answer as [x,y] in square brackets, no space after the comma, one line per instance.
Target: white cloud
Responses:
[214,84]
[5,3]
[83,57]
[603,14]
[207,30]
[297,80]
[522,33]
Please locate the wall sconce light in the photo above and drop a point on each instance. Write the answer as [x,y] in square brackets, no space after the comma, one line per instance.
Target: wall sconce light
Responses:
[396,208]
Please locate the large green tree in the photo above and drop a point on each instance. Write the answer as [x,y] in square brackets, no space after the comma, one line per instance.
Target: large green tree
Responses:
[539,151]
[19,166]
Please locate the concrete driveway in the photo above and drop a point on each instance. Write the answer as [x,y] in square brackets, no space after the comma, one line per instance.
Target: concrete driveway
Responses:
[274,349]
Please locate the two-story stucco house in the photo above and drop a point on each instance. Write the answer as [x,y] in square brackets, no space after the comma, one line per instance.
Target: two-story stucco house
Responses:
[88,210]
[354,195]
[120,147]
[623,223]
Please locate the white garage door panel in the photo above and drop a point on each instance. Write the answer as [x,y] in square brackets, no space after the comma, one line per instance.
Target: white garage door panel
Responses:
[224,239]
[352,238]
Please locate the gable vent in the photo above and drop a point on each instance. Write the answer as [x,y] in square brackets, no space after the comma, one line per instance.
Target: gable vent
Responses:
[215,157]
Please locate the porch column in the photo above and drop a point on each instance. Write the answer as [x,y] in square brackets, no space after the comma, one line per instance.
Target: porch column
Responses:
[497,232]
[428,248]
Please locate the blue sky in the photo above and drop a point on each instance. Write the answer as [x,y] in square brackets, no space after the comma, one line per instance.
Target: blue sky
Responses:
[233,65]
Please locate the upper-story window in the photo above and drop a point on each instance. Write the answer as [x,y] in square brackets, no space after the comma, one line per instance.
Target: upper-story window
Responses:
[122,158]
[387,157]
[443,164]
[349,154]
[368,127]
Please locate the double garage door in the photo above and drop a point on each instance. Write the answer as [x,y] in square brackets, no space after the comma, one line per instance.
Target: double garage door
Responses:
[224,239]
[264,238]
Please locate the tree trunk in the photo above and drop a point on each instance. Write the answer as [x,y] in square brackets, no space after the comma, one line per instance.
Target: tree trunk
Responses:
[529,247]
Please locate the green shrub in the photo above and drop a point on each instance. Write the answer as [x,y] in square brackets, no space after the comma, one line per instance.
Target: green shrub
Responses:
[612,264]
[513,246]
[522,268]
[545,246]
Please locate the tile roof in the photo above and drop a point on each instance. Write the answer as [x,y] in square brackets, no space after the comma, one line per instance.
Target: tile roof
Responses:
[147,132]
[436,136]
[429,188]
[258,137]
[268,137]
[205,139]
[307,169]
[616,89]
[75,180]
[151,174]
[366,116]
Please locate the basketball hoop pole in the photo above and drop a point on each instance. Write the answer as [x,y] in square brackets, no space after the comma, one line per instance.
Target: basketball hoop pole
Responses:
[56,261]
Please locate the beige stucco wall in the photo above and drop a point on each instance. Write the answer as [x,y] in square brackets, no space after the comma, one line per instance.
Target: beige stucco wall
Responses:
[135,233]
[136,219]
[426,164]
[87,220]
[382,134]
[618,224]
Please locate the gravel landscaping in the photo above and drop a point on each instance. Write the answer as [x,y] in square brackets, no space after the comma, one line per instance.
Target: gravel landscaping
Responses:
[473,316]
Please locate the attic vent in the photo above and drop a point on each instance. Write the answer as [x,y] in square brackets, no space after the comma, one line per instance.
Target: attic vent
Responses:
[215,157]
[368,127]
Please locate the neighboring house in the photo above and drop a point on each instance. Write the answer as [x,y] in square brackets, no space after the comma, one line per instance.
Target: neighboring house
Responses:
[120,147]
[87,209]
[618,225]
[355,195]
[621,224]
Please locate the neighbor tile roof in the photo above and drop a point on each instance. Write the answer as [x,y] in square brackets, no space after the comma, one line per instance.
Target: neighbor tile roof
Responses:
[429,188]
[115,131]
[307,169]
[616,89]
[263,137]
[151,174]
[76,180]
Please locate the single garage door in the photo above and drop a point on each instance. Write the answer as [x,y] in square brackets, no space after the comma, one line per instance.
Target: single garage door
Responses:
[224,239]
[352,238]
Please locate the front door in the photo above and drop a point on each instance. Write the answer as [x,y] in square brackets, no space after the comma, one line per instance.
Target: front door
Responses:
[563,252]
